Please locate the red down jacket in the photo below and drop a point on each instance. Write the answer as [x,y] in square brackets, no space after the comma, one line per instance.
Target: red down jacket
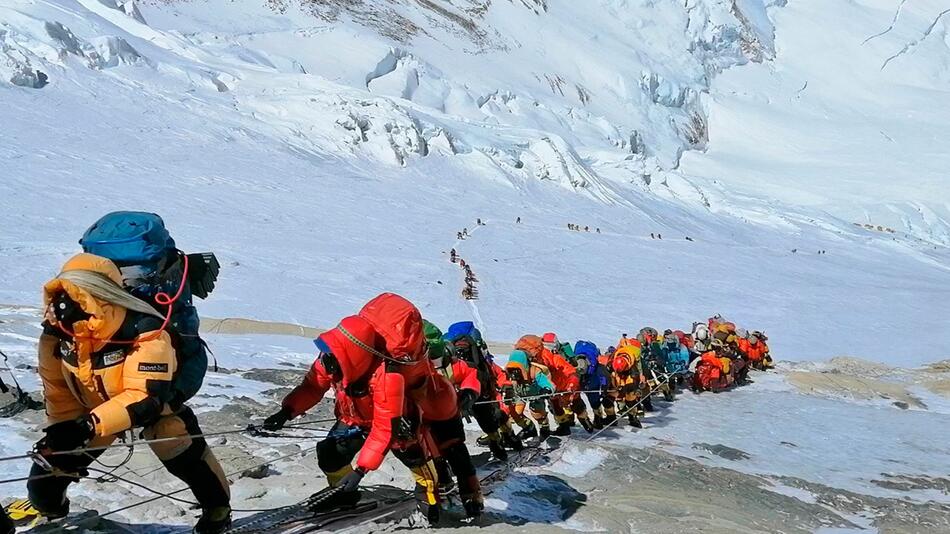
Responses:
[386,376]
[463,376]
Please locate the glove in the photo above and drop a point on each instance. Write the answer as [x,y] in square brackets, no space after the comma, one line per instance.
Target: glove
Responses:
[352,480]
[277,421]
[203,269]
[466,402]
[69,435]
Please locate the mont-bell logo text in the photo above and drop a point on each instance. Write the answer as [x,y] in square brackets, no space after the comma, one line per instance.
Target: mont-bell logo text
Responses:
[145,367]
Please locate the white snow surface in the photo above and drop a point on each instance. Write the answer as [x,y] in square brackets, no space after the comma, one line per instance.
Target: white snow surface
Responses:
[332,151]
[328,151]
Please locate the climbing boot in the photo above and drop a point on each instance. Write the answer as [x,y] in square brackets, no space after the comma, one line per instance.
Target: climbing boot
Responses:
[214,521]
[474,506]
[563,429]
[598,421]
[22,513]
[482,441]
[544,433]
[585,422]
[497,450]
[527,433]
[511,441]
[610,419]
[634,421]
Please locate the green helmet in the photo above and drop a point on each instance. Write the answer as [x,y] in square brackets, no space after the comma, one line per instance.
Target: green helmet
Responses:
[438,347]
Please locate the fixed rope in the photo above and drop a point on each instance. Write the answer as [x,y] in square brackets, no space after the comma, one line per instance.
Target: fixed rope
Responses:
[159,496]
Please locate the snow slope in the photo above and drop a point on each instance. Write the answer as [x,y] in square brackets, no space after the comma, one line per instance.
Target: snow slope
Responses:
[763,458]
[330,152]
[849,119]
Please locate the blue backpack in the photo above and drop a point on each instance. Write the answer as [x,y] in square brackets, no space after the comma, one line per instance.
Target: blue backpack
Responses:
[588,349]
[596,374]
[150,263]
[129,238]
[464,329]
[140,245]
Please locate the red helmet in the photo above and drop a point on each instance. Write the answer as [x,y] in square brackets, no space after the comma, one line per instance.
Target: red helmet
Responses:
[622,363]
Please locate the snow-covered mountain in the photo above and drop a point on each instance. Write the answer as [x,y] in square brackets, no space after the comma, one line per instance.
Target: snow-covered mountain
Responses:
[782,162]
[336,148]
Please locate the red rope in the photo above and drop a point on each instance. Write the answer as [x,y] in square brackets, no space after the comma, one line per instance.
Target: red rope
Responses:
[161,298]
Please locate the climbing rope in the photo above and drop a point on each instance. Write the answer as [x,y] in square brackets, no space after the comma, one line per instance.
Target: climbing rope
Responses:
[628,409]
[160,495]
[517,398]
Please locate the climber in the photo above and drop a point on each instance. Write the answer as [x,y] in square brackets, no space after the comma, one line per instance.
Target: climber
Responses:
[594,378]
[139,244]
[108,365]
[467,364]
[652,364]
[388,397]
[710,371]
[701,340]
[753,350]
[675,356]
[529,384]
[566,403]
[626,385]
